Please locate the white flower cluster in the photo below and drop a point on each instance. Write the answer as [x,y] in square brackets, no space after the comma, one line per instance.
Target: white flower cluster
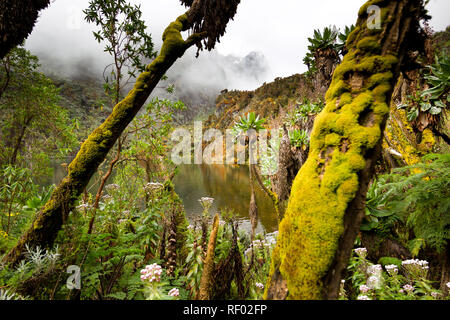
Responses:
[361,252]
[375,269]
[408,288]
[416,267]
[174,292]
[364,289]
[271,238]
[391,269]
[151,273]
[259,285]
[106,197]
[375,279]
[363,297]
[206,202]
[258,243]
[151,186]
[269,241]
[416,262]
[84,206]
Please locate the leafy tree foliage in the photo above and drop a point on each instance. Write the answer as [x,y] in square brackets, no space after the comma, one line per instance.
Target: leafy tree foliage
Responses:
[127,41]
[249,122]
[328,39]
[435,98]
[439,85]
[34,129]
[416,196]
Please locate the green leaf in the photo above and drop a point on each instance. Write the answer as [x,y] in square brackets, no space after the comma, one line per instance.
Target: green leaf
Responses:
[440,104]
[118,295]
[425,106]
[435,110]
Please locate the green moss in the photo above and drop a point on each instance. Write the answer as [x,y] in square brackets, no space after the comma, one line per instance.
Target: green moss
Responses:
[363,9]
[352,36]
[343,137]
[402,137]
[346,98]
[337,89]
[428,141]
[369,44]
[384,261]
[173,44]
[332,139]
[361,102]
[379,78]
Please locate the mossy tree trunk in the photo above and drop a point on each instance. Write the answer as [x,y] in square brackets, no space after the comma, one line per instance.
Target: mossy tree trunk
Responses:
[50,219]
[17,19]
[327,199]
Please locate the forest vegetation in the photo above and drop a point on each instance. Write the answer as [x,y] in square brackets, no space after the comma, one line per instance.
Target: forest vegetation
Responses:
[360,191]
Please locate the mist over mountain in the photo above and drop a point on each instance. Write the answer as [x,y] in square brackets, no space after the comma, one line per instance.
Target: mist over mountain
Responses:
[197,81]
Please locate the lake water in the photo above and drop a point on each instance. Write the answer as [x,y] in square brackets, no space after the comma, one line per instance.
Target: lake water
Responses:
[230,187]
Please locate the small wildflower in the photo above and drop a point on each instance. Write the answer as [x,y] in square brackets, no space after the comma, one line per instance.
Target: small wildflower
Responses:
[152,273]
[374,282]
[448,285]
[391,269]
[416,267]
[361,252]
[408,288]
[342,289]
[375,269]
[364,289]
[434,294]
[84,206]
[206,203]
[259,285]
[151,186]
[363,297]
[106,197]
[258,243]
[174,292]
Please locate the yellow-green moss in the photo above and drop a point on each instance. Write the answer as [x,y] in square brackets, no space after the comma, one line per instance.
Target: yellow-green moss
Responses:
[428,141]
[343,135]
[369,44]
[402,138]
[332,139]
[173,43]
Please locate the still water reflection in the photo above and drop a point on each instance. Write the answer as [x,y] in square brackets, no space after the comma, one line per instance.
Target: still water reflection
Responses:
[230,187]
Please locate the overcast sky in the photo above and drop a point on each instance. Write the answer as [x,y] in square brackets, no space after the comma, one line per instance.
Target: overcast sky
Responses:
[277,29]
